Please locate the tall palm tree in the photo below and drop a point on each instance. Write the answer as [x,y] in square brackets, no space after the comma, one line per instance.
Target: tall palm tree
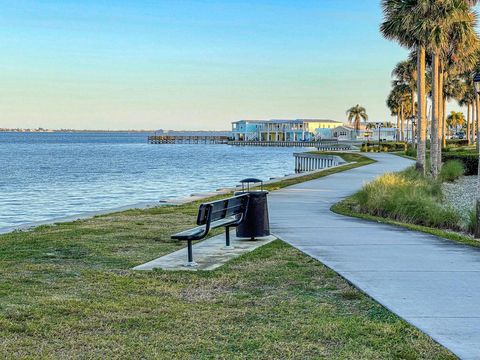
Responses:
[399,102]
[405,73]
[401,18]
[356,114]
[455,119]
[468,100]
[433,26]
[453,89]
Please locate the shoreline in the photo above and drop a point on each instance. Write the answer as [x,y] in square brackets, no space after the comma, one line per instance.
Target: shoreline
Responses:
[146,205]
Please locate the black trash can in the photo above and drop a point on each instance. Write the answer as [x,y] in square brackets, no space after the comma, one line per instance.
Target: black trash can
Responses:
[256,223]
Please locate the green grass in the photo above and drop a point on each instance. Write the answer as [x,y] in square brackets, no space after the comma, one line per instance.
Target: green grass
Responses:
[349,207]
[354,160]
[452,170]
[409,197]
[67,291]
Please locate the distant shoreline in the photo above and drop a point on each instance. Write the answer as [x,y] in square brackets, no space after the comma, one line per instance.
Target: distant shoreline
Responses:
[73,131]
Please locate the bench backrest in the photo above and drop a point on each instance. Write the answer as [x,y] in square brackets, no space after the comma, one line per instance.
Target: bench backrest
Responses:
[221,209]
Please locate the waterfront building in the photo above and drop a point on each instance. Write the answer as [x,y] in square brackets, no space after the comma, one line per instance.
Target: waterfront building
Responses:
[348,133]
[284,130]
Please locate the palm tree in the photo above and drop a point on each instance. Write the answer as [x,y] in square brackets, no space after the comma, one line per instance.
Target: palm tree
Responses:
[356,114]
[468,100]
[453,89]
[401,18]
[405,73]
[441,28]
[455,119]
[399,102]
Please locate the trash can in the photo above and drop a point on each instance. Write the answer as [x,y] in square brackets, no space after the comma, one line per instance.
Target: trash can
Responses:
[256,223]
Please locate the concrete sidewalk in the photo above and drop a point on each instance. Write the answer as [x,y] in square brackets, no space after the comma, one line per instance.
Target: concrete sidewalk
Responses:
[430,282]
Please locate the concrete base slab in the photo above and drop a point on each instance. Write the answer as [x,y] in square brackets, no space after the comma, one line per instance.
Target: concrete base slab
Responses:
[209,254]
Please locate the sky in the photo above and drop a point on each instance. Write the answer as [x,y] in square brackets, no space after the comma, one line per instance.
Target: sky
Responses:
[162,64]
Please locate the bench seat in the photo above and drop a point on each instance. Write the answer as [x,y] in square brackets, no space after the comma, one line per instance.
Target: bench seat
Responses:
[225,213]
[196,232]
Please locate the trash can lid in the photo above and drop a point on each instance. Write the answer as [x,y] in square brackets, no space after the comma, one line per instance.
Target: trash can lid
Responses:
[250,180]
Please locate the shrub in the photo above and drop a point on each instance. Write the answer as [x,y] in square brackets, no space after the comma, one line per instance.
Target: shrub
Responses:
[469,159]
[457,142]
[408,197]
[472,223]
[452,170]
[387,146]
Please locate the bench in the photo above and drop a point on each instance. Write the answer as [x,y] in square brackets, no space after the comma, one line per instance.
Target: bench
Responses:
[225,213]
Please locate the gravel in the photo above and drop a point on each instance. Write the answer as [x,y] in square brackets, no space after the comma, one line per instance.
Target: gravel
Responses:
[461,194]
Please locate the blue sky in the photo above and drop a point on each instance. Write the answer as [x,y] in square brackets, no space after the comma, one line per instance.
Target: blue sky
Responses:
[189,64]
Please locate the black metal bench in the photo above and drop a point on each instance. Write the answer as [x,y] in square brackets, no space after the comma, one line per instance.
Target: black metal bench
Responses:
[226,213]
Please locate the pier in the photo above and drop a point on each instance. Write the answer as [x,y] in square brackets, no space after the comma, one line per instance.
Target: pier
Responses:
[311,162]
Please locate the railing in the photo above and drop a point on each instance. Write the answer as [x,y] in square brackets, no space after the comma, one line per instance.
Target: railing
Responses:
[325,145]
[311,162]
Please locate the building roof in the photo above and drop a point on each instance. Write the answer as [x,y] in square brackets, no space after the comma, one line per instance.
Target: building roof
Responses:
[290,121]
[250,120]
[322,120]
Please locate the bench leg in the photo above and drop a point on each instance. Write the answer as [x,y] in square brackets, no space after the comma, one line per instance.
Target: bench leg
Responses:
[190,262]
[228,246]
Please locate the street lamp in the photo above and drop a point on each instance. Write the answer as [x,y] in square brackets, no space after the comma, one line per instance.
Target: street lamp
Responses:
[476,83]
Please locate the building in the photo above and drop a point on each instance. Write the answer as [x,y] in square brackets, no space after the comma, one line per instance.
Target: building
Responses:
[348,133]
[284,130]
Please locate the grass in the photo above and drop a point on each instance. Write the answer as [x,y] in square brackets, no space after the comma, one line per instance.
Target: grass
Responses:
[348,207]
[354,160]
[410,200]
[407,197]
[67,291]
[452,170]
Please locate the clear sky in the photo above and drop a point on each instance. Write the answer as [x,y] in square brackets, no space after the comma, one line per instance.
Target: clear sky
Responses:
[176,64]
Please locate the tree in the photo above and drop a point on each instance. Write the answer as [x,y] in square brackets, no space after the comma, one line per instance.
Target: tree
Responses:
[443,28]
[468,100]
[401,18]
[405,73]
[356,114]
[455,119]
[453,89]
[399,102]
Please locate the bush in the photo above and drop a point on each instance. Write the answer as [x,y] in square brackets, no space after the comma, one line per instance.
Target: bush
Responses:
[408,197]
[469,159]
[452,170]
[386,146]
[411,151]
[457,142]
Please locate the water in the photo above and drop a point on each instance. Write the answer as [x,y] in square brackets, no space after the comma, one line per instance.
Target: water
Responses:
[45,176]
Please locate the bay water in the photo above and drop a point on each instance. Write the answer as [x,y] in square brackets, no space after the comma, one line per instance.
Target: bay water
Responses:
[47,176]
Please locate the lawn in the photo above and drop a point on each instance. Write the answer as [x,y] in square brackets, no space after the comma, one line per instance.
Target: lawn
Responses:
[67,291]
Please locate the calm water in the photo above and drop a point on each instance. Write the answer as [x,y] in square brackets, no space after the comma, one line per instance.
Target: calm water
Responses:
[45,176]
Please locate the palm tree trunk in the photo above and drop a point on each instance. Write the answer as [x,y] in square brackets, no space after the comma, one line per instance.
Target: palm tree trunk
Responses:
[468,123]
[477,122]
[442,109]
[474,122]
[422,111]
[398,126]
[413,114]
[402,123]
[434,132]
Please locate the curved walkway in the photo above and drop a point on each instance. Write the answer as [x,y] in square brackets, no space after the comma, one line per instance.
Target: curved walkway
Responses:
[430,282]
